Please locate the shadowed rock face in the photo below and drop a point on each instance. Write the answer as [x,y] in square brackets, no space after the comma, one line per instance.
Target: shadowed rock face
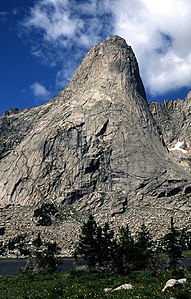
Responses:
[97,145]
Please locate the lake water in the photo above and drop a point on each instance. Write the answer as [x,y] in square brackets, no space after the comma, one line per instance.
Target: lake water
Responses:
[12,266]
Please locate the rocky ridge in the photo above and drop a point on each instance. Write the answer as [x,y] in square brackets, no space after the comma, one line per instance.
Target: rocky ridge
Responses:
[98,147]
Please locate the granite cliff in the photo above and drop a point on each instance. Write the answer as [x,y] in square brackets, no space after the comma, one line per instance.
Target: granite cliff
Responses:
[98,147]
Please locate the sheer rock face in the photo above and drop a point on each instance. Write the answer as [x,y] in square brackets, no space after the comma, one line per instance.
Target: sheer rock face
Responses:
[174,120]
[97,145]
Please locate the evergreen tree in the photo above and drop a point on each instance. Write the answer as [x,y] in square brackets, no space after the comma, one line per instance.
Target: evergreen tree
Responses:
[87,245]
[172,243]
[125,251]
[47,256]
[19,244]
[96,244]
[143,248]
[188,240]
[184,239]
[2,249]
[37,242]
[43,257]
[105,246]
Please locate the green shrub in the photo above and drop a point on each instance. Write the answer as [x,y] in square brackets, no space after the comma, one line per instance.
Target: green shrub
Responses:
[43,257]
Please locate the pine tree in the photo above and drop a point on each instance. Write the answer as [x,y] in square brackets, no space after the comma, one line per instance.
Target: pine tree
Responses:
[47,257]
[125,251]
[188,240]
[43,257]
[173,246]
[2,249]
[105,246]
[184,239]
[87,245]
[38,241]
[143,248]
[96,244]
[19,244]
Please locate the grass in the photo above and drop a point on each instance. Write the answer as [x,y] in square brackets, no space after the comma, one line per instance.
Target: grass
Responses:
[86,285]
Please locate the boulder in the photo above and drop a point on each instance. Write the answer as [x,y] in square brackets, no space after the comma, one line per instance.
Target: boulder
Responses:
[173,282]
[181,281]
[126,286]
[107,290]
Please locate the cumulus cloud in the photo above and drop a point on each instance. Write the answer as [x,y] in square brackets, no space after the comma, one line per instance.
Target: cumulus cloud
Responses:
[39,90]
[61,32]
[53,17]
[68,22]
[160,34]
[158,31]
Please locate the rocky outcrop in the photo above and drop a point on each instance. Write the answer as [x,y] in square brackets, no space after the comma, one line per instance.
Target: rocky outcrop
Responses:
[15,125]
[174,120]
[99,146]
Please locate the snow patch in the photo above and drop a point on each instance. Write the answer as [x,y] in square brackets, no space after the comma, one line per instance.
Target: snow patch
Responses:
[177,147]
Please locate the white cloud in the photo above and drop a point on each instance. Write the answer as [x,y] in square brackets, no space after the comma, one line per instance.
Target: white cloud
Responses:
[160,34]
[158,31]
[53,17]
[61,32]
[69,23]
[39,90]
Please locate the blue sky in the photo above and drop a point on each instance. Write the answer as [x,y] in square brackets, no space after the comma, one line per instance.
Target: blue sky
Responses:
[43,42]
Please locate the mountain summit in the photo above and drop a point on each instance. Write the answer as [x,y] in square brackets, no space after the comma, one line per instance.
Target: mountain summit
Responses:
[98,146]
